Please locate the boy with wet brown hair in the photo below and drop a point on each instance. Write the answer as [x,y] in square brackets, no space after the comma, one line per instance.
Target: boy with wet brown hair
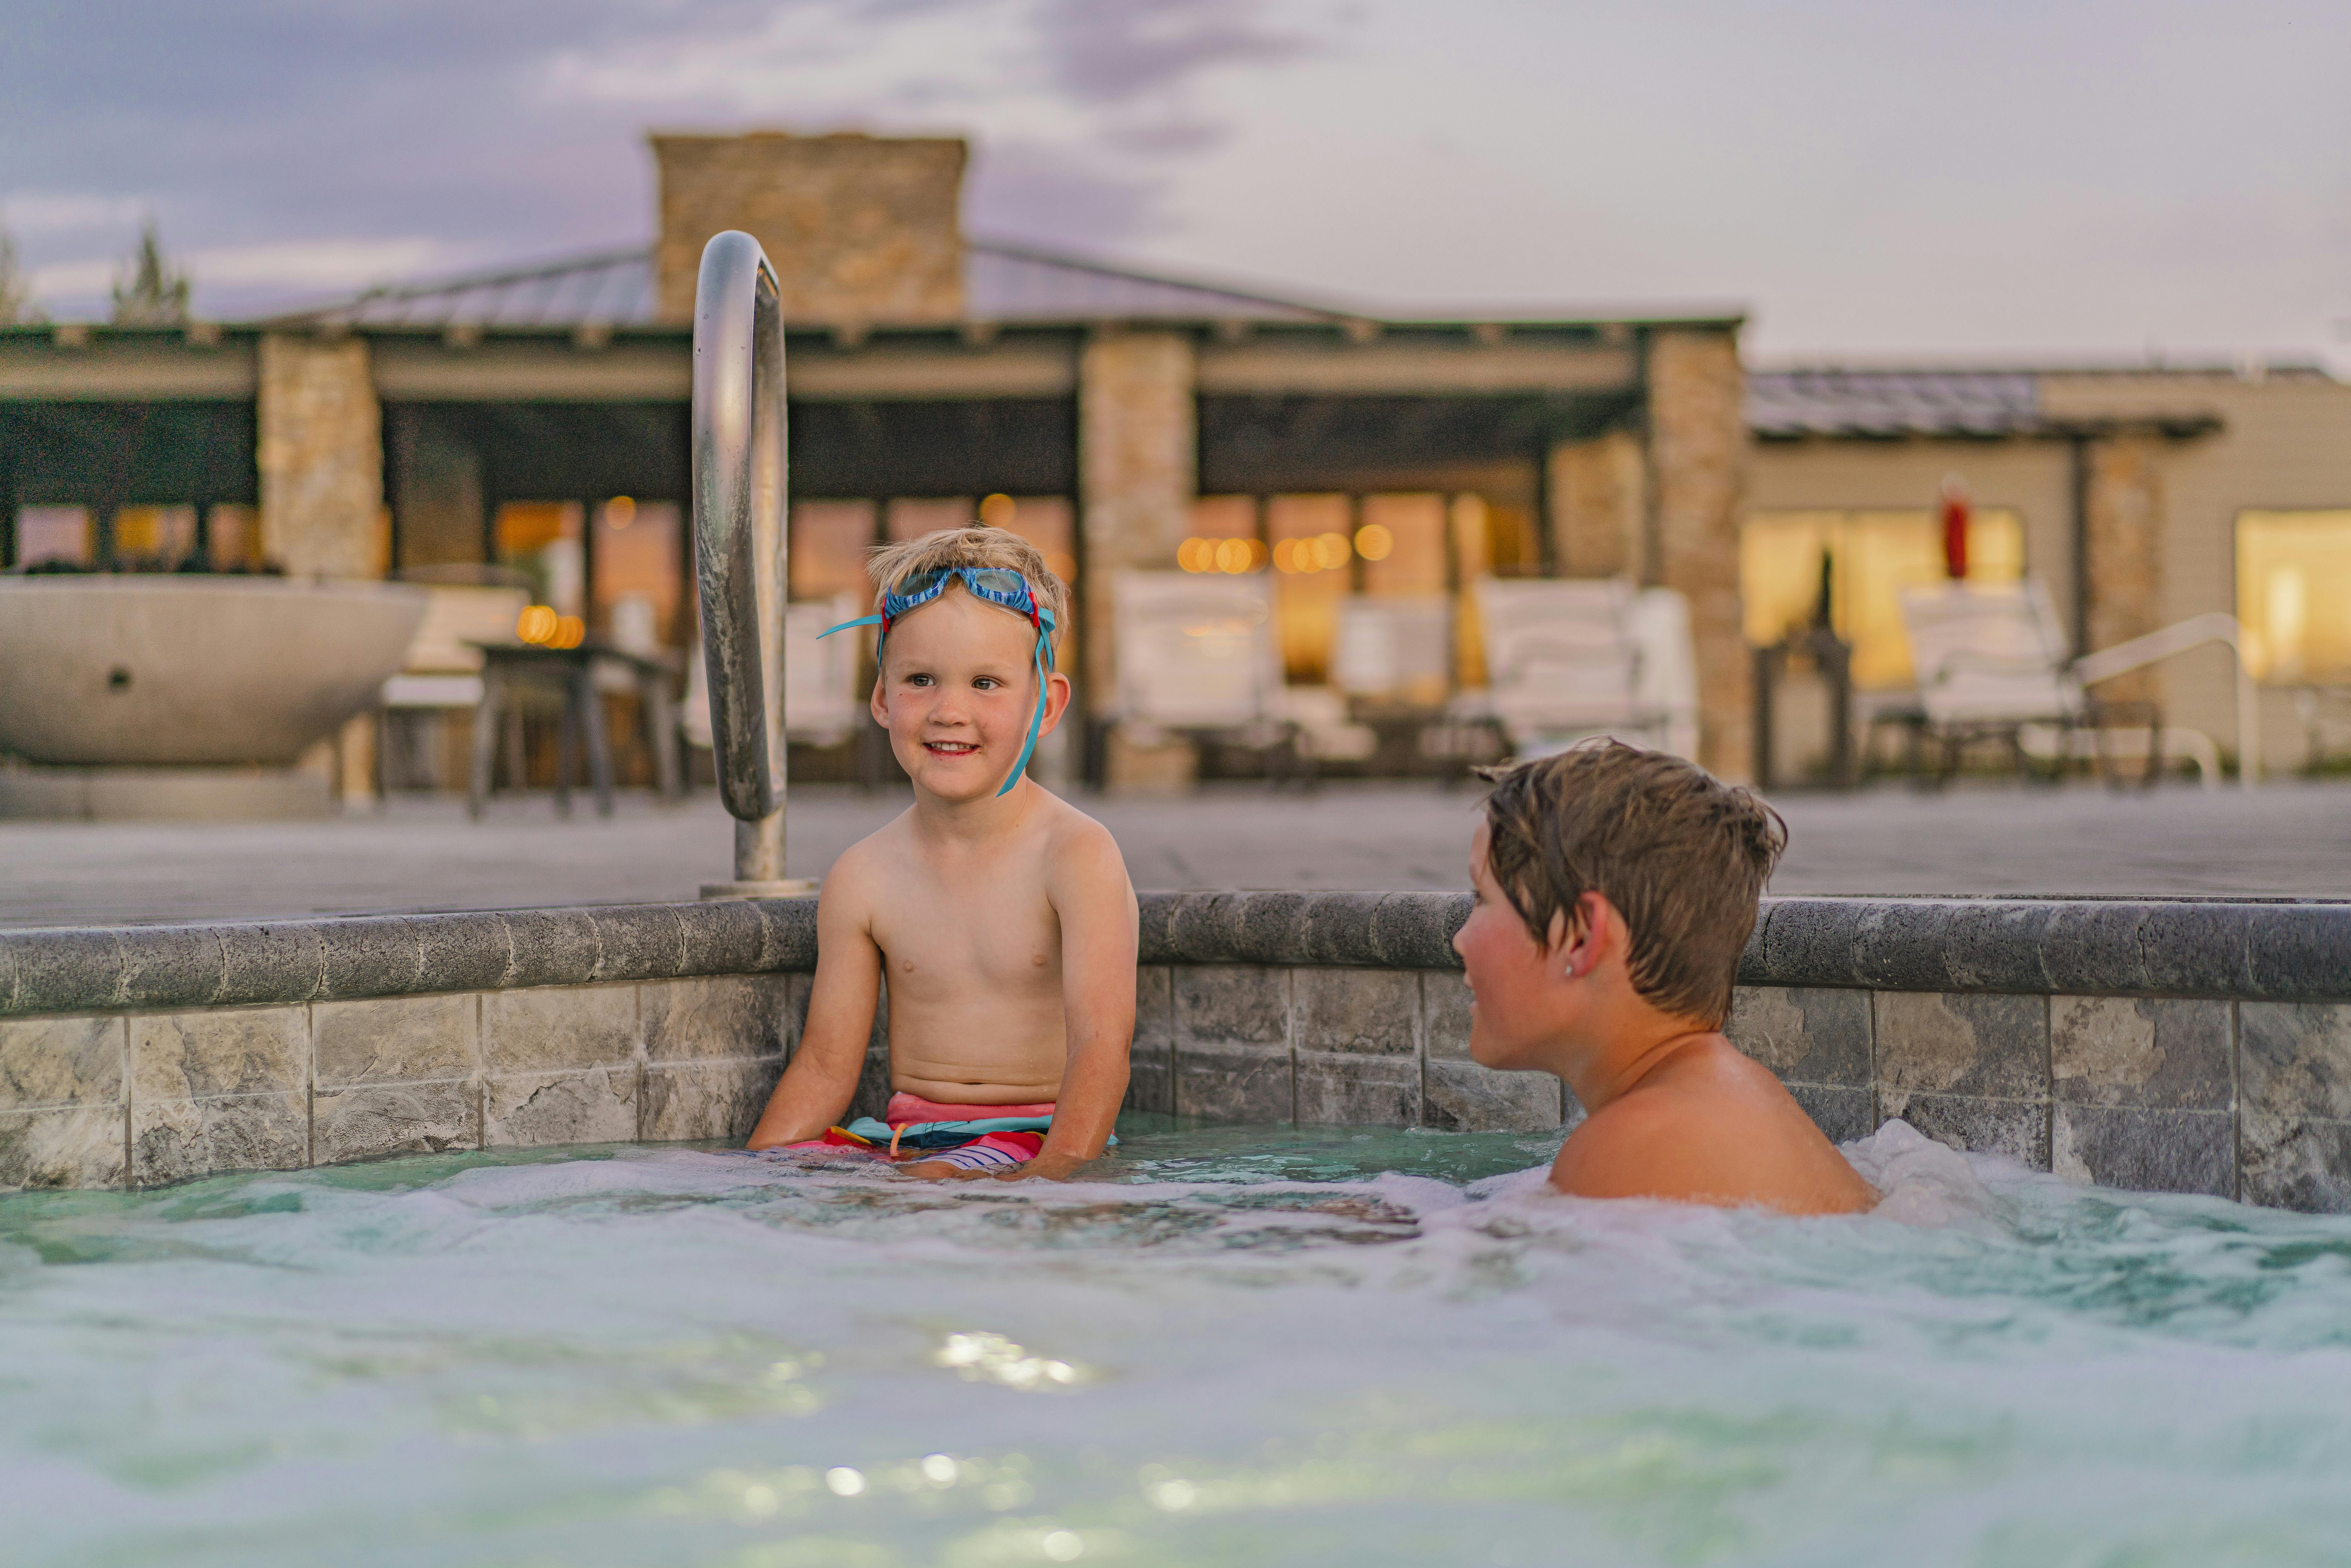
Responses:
[1615,889]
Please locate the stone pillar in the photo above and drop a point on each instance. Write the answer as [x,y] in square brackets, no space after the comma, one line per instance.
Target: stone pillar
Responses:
[1698,456]
[1597,495]
[321,459]
[2125,518]
[1137,472]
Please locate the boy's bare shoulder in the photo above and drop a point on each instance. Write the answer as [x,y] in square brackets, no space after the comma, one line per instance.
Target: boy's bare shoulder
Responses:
[866,864]
[1717,1128]
[1075,844]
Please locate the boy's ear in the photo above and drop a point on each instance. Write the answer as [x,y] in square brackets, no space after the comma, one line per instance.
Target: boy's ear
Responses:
[1057,701]
[1585,939]
[878,705]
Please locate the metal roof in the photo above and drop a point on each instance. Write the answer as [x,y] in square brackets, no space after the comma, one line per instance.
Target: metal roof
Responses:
[615,289]
[1789,404]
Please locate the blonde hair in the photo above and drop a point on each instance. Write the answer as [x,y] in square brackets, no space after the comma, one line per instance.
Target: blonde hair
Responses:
[975,546]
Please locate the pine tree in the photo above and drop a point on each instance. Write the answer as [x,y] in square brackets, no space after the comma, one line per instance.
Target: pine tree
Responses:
[154,294]
[16,306]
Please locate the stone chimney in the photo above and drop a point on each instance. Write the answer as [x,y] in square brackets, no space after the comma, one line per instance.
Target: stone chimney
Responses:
[860,228]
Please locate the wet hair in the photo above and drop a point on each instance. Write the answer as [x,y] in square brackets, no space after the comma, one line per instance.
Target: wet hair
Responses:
[976,545]
[1682,855]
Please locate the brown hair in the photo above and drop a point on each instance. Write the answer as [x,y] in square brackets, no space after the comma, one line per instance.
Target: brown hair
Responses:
[1682,855]
[976,545]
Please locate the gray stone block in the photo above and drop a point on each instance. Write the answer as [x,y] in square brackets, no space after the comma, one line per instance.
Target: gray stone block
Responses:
[1812,942]
[1840,1110]
[1448,1015]
[62,1058]
[277,961]
[1460,1096]
[1360,1012]
[2141,1150]
[1206,927]
[555,1027]
[395,1040]
[2016,1128]
[463,952]
[718,1017]
[1995,945]
[2294,1058]
[171,966]
[789,928]
[551,948]
[68,971]
[637,942]
[702,1100]
[177,1140]
[62,1147]
[1274,928]
[1357,1090]
[372,1121]
[1415,930]
[720,936]
[1231,1006]
[1339,928]
[8,973]
[2096,947]
[2295,1162]
[2196,949]
[1812,1034]
[2145,1051]
[1154,911]
[1151,1059]
[1900,947]
[2299,951]
[1243,1084]
[219,1051]
[378,956]
[592,1105]
[1958,1043]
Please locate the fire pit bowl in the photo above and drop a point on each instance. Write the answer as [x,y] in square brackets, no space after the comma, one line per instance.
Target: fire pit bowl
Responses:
[114,671]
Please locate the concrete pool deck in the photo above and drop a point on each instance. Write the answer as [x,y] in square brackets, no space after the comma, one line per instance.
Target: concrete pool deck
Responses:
[2288,840]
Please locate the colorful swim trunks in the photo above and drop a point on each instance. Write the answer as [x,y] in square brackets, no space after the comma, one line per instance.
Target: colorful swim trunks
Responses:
[968,1137]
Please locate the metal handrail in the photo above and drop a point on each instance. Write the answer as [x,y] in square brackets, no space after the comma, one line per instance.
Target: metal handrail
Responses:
[2193,632]
[740,544]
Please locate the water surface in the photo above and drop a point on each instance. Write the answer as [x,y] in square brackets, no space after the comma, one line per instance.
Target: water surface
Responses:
[1236,1345]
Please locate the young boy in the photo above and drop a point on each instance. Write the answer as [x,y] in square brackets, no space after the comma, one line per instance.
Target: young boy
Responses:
[1001,916]
[1615,888]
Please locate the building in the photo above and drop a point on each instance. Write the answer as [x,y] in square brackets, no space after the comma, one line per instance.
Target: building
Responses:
[537,418]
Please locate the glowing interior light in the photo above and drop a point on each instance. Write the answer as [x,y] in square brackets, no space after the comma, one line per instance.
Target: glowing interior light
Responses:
[1196,555]
[1285,555]
[1374,542]
[620,512]
[1232,556]
[538,624]
[570,633]
[998,510]
[1331,551]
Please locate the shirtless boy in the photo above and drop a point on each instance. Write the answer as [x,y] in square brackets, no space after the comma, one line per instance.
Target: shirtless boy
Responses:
[1001,916]
[1614,890]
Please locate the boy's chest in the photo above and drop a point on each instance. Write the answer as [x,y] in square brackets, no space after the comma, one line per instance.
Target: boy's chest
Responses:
[999,935]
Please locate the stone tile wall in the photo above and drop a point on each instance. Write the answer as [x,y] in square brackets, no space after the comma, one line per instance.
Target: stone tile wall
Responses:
[1246,1042]
[143,1099]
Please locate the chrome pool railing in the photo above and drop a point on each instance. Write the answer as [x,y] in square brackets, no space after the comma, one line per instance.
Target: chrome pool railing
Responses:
[740,490]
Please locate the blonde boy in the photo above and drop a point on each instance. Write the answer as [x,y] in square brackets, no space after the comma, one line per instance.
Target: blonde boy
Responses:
[1001,916]
[1615,889]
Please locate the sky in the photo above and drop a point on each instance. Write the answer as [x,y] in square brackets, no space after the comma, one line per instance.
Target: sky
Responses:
[1869,180]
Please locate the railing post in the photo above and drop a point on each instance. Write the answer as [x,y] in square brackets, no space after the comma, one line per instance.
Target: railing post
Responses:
[740,539]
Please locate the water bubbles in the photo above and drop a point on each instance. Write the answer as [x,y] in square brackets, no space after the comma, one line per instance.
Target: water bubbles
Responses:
[996,1359]
[1173,1496]
[939,1470]
[842,1481]
[759,1501]
[1063,1545]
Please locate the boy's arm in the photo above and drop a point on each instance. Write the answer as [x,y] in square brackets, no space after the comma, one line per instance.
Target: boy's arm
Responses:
[1091,894]
[817,1087]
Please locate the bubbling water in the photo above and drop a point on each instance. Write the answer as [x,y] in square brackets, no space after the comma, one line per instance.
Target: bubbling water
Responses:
[1268,1344]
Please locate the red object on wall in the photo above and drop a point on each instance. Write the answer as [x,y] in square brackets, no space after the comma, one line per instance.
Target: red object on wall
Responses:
[1955,530]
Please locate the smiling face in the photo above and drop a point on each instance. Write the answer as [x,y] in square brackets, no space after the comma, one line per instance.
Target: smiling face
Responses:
[1512,977]
[957,690]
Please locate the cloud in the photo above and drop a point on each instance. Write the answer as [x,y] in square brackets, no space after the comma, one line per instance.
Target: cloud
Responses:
[1111,53]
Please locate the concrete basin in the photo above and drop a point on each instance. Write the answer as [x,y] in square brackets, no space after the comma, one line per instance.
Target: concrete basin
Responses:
[170,671]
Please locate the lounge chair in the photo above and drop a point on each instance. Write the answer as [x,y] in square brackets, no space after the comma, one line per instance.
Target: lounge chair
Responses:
[1198,657]
[1993,665]
[1569,659]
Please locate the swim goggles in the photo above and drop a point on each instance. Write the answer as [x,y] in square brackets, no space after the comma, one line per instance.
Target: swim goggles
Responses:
[998,585]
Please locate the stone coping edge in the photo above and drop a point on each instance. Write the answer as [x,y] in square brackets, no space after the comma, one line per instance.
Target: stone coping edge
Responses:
[2251,951]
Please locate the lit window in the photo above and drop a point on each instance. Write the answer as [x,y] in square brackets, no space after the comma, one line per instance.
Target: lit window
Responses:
[1872,556]
[2294,594]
